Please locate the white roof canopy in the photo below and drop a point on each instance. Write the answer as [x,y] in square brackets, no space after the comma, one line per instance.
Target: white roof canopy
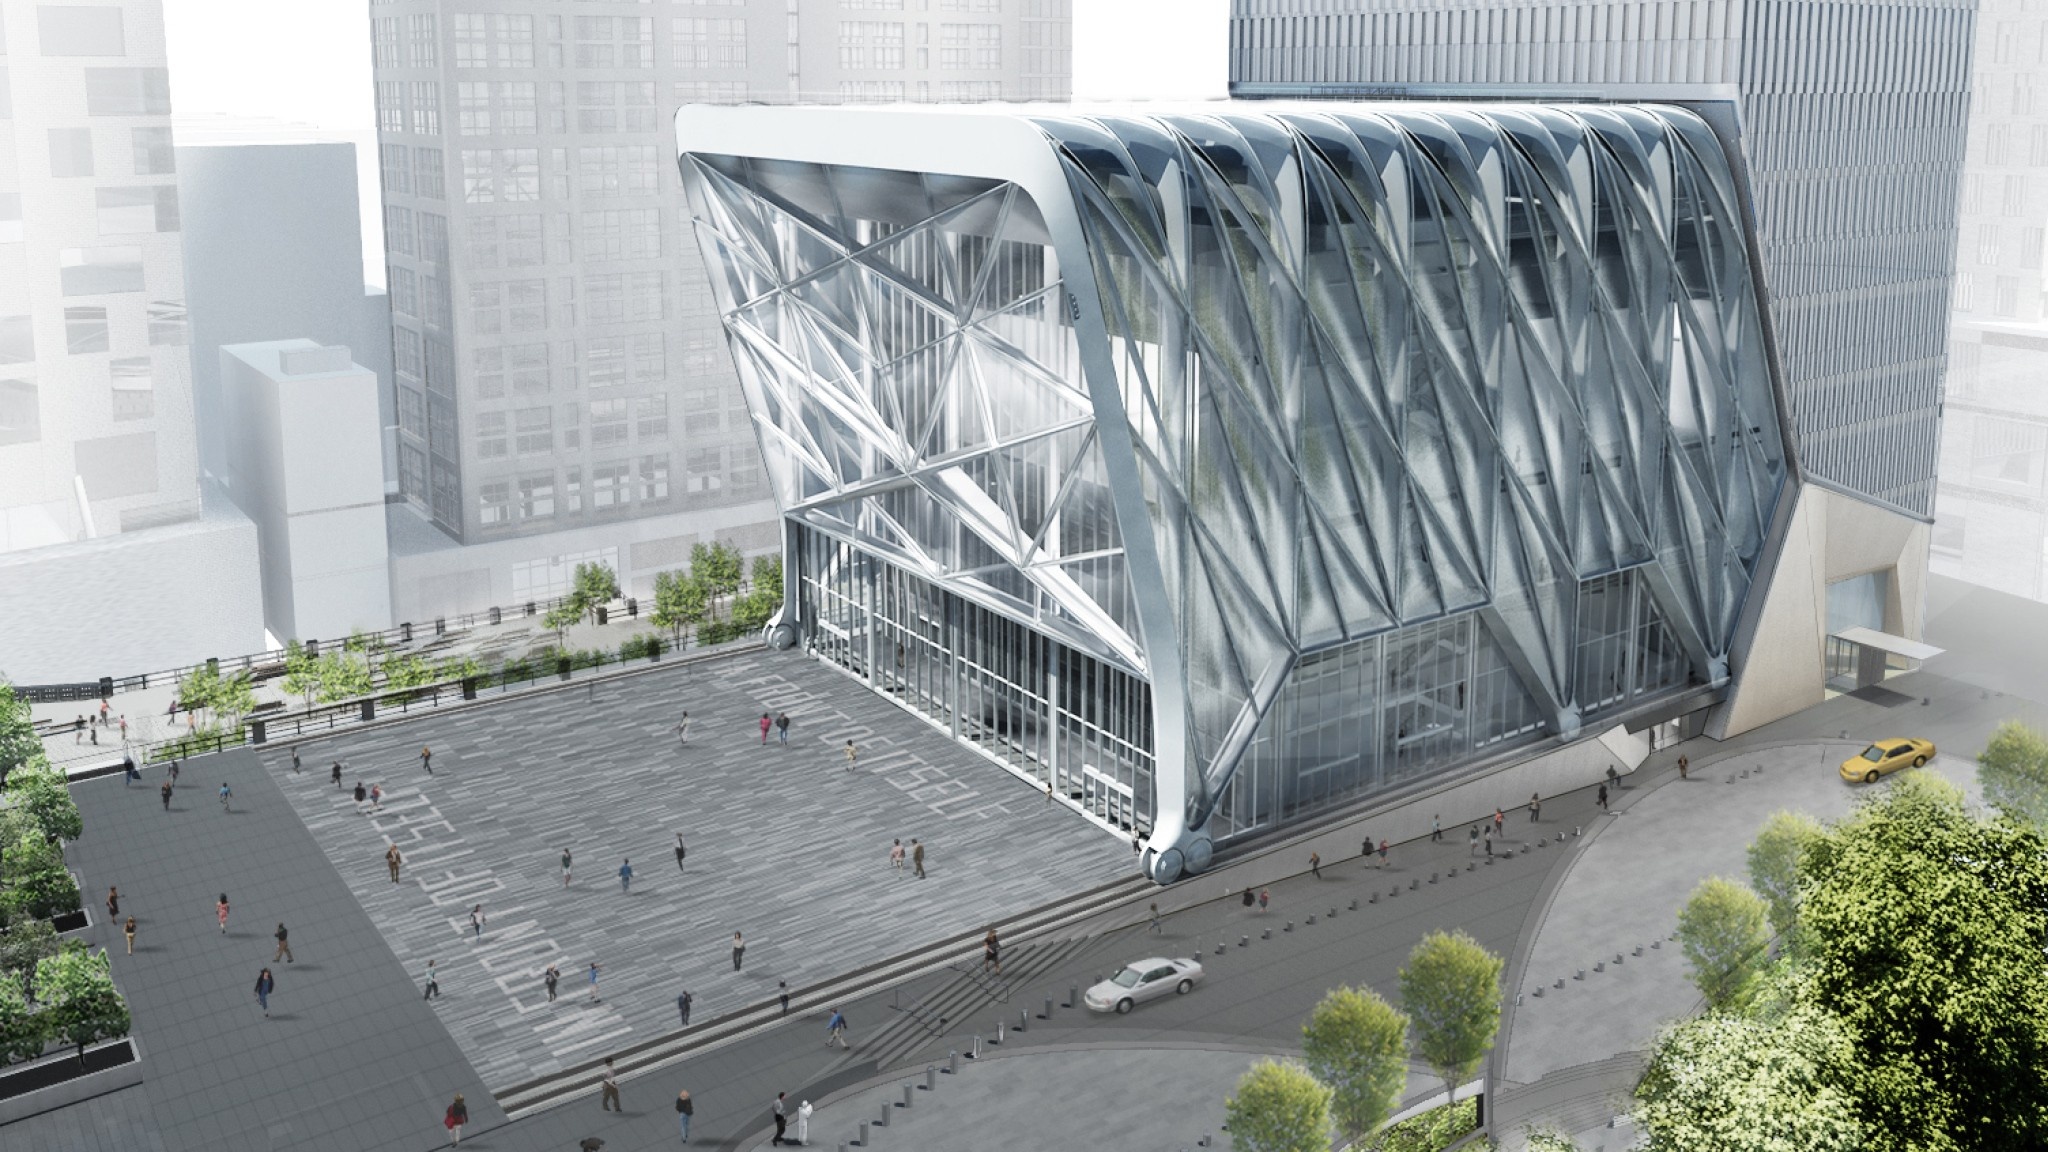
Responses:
[1884,641]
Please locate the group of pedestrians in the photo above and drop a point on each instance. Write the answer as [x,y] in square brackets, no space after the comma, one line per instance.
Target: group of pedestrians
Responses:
[915,852]
[89,725]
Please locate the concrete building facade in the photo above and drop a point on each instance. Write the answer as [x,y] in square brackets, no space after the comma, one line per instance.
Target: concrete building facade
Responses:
[1853,121]
[102,515]
[562,387]
[303,463]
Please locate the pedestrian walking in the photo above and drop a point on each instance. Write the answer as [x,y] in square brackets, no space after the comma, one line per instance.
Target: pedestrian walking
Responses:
[78,731]
[167,795]
[739,950]
[803,1122]
[1154,927]
[124,728]
[1048,791]
[1474,851]
[128,930]
[392,859]
[681,851]
[565,867]
[458,1115]
[1489,840]
[427,760]
[835,1030]
[896,855]
[220,912]
[610,1096]
[767,722]
[433,982]
[683,1008]
[1535,807]
[265,985]
[1250,897]
[1603,797]
[782,994]
[991,952]
[682,729]
[103,711]
[1499,819]
[1683,764]
[1436,828]
[852,755]
[782,728]
[552,979]
[781,1110]
[227,797]
[684,1110]
[1383,852]
[335,774]
[376,797]
[476,921]
[917,857]
[1264,896]
[284,947]
[113,903]
[1315,865]
[594,970]
[295,751]
[1613,777]
[626,876]
[361,794]
[129,772]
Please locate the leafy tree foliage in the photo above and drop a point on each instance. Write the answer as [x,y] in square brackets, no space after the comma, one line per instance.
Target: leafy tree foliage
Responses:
[20,747]
[1278,1107]
[34,883]
[1739,1085]
[1545,1140]
[1722,931]
[1929,938]
[596,585]
[680,601]
[1774,869]
[75,991]
[2014,771]
[1357,1044]
[301,672]
[23,944]
[408,671]
[562,615]
[720,567]
[1451,992]
[22,1032]
[343,677]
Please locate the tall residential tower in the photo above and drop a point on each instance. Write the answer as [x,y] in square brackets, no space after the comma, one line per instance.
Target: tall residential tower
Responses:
[563,392]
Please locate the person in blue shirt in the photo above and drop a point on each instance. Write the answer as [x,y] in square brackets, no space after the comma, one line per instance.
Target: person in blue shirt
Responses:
[626,876]
[835,1029]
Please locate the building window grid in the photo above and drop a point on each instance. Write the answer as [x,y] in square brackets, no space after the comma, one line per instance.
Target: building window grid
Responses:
[709,42]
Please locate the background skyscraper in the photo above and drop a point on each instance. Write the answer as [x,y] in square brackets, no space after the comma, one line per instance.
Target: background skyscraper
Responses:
[563,391]
[1853,125]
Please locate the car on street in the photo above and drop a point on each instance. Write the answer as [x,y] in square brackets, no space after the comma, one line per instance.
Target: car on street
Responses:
[1886,757]
[1143,980]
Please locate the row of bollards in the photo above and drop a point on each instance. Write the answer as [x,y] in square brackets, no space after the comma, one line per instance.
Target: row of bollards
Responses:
[1598,967]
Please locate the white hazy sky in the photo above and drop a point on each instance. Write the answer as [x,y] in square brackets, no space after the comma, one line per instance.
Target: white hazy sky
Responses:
[309,60]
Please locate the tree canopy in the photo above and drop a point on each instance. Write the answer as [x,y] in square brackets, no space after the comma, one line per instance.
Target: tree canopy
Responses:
[1721,928]
[1451,992]
[1774,868]
[1357,1044]
[1278,1107]
[2014,771]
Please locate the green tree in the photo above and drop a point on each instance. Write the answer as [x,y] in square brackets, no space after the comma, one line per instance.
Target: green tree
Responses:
[234,696]
[23,944]
[1545,1140]
[1722,931]
[198,687]
[719,567]
[458,668]
[763,597]
[43,794]
[567,612]
[408,671]
[1736,1085]
[301,673]
[75,990]
[679,602]
[596,586]
[19,744]
[1451,992]
[1357,1044]
[343,677]
[2013,769]
[34,884]
[1926,928]
[22,1034]
[1774,868]
[1278,1107]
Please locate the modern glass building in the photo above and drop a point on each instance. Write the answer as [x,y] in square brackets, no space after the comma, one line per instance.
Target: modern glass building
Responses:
[1215,469]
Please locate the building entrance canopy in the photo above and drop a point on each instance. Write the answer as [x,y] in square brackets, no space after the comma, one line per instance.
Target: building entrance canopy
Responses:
[1370,438]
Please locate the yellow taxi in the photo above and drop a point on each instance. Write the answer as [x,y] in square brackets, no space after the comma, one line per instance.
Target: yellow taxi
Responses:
[1885,757]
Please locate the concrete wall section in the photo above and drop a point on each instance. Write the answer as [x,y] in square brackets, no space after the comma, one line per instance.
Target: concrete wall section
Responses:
[156,598]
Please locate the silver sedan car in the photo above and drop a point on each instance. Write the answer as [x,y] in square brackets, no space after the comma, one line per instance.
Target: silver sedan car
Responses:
[1143,980]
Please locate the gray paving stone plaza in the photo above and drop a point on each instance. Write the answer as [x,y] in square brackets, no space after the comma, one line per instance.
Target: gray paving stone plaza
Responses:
[784,844]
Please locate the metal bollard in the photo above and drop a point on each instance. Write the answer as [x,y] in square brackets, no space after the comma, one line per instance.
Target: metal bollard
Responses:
[999,1032]
[1219,947]
[1266,935]
[975,1052]
[1023,1019]
[1539,991]
[952,1061]
[1354,903]
[1073,995]
[883,1121]
[1048,1008]
[931,1078]
[1289,927]
[1311,919]
[1373,899]
[1432,877]
[1243,940]
[866,1141]
[909,1091]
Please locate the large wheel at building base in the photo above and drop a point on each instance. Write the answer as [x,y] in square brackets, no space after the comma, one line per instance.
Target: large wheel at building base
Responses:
[1166,866]
[780,637]
[1200,851]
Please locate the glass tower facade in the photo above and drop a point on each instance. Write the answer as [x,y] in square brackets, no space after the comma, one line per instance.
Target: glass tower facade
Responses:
[1217,469]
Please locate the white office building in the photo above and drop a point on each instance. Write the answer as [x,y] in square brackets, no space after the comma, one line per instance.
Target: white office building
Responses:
[110,556]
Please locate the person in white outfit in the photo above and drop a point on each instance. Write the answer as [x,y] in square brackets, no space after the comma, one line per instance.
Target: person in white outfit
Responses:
[803,1122]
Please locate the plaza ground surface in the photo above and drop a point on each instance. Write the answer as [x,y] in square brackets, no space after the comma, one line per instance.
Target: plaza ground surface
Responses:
[353,1059]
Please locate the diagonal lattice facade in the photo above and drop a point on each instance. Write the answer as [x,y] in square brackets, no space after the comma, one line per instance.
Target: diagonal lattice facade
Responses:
[1368,441]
